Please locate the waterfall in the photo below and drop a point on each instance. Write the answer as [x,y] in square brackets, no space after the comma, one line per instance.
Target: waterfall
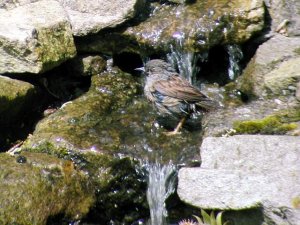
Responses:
[161,184]
[235,55]
[184,60]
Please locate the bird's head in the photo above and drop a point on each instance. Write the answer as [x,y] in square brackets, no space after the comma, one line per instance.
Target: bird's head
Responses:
[157,66]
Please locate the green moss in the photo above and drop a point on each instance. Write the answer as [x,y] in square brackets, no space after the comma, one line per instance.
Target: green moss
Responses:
[42,187]
[55,45]
[297,51]
[296,202]
[273,124]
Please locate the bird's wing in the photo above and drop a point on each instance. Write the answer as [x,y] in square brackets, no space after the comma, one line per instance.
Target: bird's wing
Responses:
[179,88]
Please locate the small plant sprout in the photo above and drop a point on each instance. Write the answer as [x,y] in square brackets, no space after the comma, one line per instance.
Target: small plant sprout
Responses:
[210,219]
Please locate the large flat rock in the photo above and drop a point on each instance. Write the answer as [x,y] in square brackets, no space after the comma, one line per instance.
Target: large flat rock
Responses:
[245,171]
[36,37]
[92,16]
[251,152]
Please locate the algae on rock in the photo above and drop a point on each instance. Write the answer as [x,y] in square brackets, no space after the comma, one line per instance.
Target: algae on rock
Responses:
[39,187]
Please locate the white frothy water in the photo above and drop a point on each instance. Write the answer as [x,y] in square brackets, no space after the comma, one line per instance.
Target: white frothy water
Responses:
[235,55]
[161,184]
[185,61]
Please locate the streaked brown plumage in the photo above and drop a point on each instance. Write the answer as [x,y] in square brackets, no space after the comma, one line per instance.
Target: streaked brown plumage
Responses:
[173,94]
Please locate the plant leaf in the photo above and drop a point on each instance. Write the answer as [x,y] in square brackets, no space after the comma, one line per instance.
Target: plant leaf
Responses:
[206,217]
[219,218]
[199,220]
[212,218]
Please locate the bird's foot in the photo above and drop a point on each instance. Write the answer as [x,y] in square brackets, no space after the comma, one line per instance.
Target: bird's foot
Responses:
[171,133]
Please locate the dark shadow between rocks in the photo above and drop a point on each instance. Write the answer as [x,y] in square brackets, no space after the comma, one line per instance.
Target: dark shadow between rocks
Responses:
[128,62]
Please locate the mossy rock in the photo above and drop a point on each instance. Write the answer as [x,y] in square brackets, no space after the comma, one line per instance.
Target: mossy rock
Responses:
[16,98]
[274,124]
[117,185]
[194,27]
[36,187]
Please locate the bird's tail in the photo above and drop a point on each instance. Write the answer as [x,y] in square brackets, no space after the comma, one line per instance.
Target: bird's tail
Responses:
[208,105]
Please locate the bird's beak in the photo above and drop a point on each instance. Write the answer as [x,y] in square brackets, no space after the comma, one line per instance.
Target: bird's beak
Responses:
[140,69]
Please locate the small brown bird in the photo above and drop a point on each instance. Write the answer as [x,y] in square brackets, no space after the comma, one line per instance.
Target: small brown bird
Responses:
[172,94]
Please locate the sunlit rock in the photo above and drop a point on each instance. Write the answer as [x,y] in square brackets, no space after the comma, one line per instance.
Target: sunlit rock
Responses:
[285,16]
[195,27]
[35,38]
[274,68]
[243,172]
[273,116]
[89,17]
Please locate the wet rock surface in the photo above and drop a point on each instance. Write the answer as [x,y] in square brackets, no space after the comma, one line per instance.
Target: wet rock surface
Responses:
[194,27]
[109,119]
[107,133]
[36,187]
[244,171]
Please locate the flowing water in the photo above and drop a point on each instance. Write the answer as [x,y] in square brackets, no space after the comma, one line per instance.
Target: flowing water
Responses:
[161,184]
[185,61]
[235,55]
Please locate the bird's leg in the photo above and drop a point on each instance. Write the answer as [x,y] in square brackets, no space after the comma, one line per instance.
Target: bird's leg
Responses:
[177,128]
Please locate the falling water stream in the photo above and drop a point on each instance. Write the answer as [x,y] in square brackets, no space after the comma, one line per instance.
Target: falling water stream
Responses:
[161,184]
[235,55]
[161,177]
[185,61]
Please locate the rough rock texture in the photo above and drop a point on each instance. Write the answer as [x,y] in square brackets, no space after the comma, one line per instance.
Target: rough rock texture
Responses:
[110,120]
[92,16]
[284,78]
[262,116]
[15,99]
[10,4]
[35,187]
[245,171]
[194,27]
[36,38]
[281,11]
[275,66]
[86,65]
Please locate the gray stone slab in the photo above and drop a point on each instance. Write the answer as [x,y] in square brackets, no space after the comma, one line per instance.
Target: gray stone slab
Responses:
[234,189]
[251,152]
[244,171]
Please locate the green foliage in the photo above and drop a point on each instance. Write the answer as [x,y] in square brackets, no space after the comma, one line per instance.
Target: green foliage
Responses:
[210,219]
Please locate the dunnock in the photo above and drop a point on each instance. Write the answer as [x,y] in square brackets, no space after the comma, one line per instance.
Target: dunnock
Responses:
[172,94]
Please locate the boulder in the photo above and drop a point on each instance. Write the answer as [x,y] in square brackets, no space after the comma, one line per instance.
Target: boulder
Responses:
[259,79]
[89,17]
[36,187]
[245,171]
[285,16]
[272,116]
[283,80]
[36,38]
